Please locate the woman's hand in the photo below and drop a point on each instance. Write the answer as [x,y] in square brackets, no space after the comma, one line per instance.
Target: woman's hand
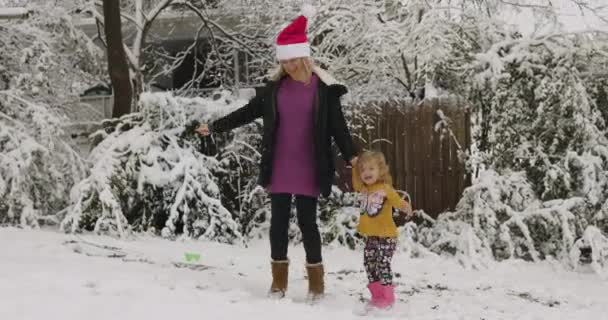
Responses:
[353,161]
[203,129]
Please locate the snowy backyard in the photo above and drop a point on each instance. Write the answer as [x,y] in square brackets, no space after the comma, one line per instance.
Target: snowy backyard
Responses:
[491,115]
[46,274]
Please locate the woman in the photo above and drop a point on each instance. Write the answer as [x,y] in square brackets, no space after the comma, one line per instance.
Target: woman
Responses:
[301,110]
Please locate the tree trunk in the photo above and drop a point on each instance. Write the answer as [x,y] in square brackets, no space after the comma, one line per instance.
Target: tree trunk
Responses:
[117,59]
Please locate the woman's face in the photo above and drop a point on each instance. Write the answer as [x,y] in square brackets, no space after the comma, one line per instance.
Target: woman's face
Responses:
[293,66]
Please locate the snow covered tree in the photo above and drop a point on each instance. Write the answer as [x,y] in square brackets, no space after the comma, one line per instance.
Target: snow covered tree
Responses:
[543,118]
[544,141]
[44,64]
[148,175]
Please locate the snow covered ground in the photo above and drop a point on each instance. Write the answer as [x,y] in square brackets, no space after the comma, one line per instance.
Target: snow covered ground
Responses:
[49,275]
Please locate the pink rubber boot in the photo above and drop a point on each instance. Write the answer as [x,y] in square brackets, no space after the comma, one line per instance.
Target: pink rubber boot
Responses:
[376,289]
[388,297]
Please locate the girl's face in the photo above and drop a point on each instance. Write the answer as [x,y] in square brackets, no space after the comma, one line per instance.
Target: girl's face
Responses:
[293,66]
[370,172]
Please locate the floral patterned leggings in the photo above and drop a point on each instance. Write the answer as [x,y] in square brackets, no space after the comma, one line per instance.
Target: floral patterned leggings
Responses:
[377,259]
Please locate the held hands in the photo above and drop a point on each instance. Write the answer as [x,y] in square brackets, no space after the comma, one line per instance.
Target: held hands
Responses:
[203,129]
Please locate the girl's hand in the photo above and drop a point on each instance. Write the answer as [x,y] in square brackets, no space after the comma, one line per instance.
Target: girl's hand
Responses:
[407,209]
[203,129]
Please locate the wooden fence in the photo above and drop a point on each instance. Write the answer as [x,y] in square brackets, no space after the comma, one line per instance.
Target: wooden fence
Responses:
[422,151]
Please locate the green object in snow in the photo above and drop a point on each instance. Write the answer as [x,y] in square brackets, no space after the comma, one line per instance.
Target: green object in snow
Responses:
[192,256]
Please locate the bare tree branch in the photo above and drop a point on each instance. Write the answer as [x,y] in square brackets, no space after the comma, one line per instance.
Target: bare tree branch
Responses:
[245,47]
[99,25]
[407,72]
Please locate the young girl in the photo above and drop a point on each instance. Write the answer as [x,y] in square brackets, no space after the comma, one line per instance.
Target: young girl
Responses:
[371,178]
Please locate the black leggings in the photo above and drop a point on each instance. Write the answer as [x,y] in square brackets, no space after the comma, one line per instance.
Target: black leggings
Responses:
[306,208]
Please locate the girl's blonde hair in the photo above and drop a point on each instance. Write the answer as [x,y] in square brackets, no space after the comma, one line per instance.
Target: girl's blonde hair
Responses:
[279,72]
[380,161]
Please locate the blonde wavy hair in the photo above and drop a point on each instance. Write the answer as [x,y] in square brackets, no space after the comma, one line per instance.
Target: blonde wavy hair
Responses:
[378,158]
[278,72]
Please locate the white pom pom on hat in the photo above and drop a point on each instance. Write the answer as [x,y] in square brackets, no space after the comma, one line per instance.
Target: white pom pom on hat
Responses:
[308,10]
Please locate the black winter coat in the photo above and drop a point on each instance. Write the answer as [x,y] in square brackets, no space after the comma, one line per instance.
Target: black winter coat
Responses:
[329,122]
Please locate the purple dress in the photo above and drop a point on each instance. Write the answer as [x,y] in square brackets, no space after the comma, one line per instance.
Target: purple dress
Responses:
[294,167]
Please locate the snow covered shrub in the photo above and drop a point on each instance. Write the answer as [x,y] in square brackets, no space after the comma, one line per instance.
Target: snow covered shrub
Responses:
[44,63]
[500,217]
[237,172]
[474,229]
[596,245]
[598,91]
[338,219]
[545,145]
[148,175]
[408,241]
[542,119]
[411,232]
[254,217]
[37,167]
[601,218]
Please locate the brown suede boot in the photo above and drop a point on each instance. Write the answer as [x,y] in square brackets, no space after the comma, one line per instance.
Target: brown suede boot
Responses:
[279,278]
[316,284]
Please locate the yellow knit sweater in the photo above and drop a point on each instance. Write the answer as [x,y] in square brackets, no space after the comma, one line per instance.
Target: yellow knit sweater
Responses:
[377,201]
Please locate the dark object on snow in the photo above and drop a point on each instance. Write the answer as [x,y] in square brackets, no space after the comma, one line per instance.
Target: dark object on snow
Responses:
[100,89]
[192,266]
[585,257]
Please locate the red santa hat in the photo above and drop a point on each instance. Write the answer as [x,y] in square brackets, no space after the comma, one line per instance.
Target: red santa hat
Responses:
[292,41]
